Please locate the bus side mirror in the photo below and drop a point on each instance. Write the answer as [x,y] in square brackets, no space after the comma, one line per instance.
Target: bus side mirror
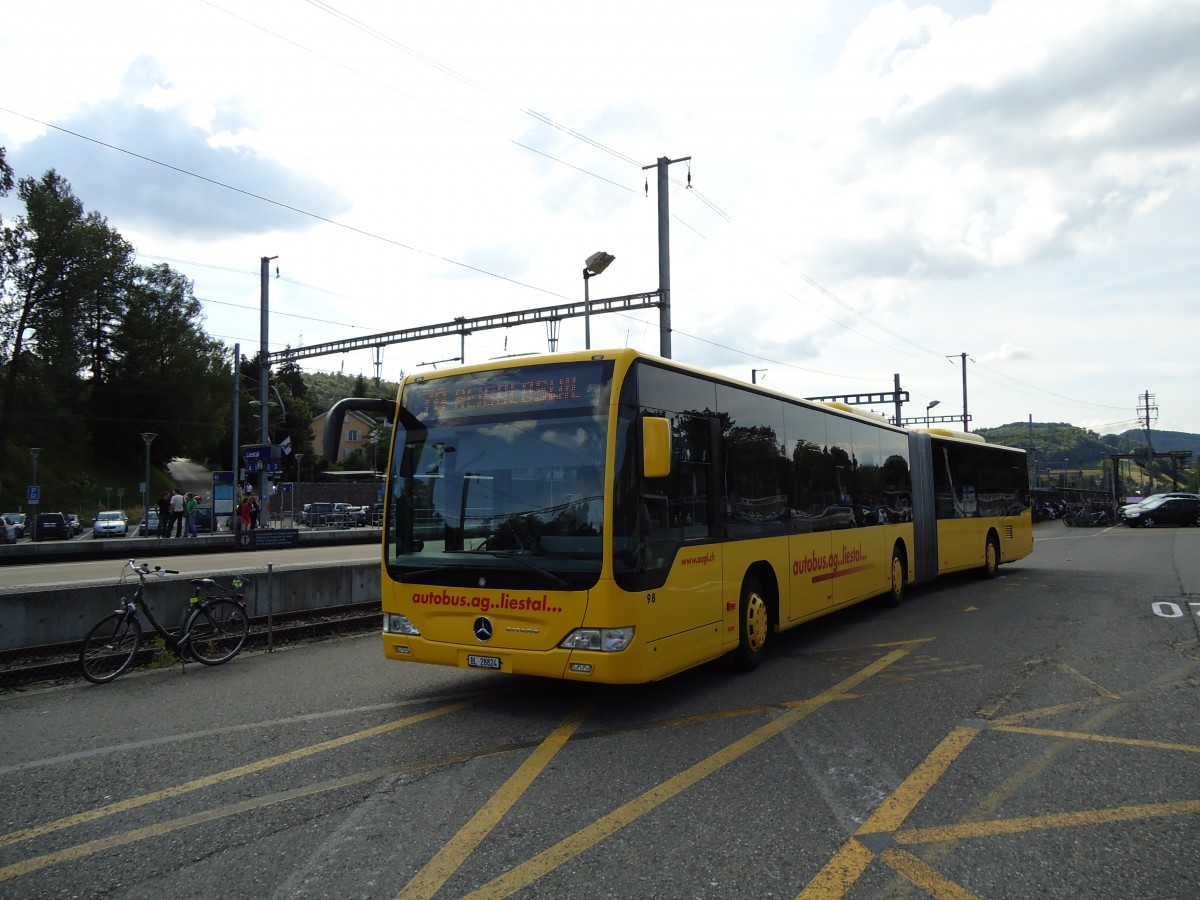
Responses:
[656,447]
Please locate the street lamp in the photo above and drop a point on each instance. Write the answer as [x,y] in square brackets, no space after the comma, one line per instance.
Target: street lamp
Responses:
[930,405]
[148,437]
[257,404]
[594,265]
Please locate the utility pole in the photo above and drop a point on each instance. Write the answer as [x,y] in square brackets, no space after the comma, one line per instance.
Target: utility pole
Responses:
[664,250]
[1032,455]
[263,381]
[1145,412]
[237,416]
[965,418]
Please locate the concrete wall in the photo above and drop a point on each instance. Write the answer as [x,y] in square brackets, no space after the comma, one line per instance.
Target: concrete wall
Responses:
[35,617]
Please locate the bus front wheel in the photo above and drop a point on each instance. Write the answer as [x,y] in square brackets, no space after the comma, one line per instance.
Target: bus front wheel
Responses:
[896,595]
[753,625]
[991,557]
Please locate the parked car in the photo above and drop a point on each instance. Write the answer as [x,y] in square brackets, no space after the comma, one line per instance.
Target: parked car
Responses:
[320,514]
[150,523]
[110,523]
[76,525]
[8,531]
[17,521]
[53,525]
[204,519]
[302,518]
[1151,499]
[1164,511]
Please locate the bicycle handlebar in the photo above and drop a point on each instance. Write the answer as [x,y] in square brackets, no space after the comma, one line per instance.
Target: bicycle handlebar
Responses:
[144,569]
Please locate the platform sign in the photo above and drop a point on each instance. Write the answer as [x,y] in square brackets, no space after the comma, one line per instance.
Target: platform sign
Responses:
[223,491]
[266,538]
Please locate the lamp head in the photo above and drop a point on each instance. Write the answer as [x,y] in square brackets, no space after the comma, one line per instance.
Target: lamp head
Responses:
[598,262]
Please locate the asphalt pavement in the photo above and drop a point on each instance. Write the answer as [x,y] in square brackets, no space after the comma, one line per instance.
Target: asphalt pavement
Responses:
[1034,735]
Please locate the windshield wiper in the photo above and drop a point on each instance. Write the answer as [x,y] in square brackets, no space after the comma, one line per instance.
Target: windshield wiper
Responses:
[519,556]
[417,573]
[516,555]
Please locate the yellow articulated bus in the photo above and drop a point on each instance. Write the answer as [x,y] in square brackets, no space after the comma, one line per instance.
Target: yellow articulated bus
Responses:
[617,517]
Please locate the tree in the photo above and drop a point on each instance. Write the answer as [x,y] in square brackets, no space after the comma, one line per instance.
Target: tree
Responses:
[61,267]
[162,372]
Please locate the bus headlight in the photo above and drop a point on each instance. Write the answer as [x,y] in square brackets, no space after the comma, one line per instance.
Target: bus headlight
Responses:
[394,623]
[606,640]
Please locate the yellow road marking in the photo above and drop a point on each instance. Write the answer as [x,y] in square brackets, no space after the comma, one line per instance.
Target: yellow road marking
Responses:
[839,874]
[158,829]
[897,807]
[847,865]
[924,875]
[1090,682]
[261,765]
[1046,711]
[454,853]
[1099,738]
[570,847]
[1086,817]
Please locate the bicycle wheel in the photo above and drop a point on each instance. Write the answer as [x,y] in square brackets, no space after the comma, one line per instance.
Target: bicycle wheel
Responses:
[110,647]
[217,631]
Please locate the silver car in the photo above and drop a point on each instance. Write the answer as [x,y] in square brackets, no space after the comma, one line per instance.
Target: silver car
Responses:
[110,523]
[17,521]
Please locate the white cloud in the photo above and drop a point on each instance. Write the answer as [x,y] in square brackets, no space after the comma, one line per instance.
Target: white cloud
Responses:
[876,187]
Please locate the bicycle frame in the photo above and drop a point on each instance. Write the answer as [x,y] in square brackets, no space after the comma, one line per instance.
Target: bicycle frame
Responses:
[196,606]
[214,630]
[138,603]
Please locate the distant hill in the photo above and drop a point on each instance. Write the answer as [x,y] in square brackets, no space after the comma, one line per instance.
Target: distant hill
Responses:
[1163,441]
[1059,441]
[326,388]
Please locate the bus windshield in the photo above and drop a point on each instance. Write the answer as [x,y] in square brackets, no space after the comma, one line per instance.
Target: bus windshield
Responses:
[497,477]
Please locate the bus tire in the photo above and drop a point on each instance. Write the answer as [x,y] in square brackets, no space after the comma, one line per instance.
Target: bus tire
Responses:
[895,595]
[754,623]
[991,557]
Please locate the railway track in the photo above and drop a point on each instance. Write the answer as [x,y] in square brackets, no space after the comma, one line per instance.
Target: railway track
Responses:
[32,666]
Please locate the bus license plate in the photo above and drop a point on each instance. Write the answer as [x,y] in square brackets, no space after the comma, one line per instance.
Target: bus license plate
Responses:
[484,662]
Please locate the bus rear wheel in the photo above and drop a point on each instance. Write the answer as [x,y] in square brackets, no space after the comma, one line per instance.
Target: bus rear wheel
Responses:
[753,625]
[991,557]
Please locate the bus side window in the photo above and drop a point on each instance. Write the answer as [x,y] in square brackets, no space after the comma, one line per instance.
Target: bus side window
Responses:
[659,538]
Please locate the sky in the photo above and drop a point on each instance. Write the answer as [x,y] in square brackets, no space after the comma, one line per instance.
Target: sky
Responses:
[858,190]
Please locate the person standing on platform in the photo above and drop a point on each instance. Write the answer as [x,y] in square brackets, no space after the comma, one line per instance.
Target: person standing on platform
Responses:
[164,514]
[177,514]
[191,504]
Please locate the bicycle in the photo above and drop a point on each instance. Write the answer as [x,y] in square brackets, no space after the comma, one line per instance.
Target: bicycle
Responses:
[214,630]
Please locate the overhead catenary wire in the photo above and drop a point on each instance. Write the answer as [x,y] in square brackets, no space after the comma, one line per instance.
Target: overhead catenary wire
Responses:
[376,34]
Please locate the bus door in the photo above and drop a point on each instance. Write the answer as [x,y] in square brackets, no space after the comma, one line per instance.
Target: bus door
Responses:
[679,533]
